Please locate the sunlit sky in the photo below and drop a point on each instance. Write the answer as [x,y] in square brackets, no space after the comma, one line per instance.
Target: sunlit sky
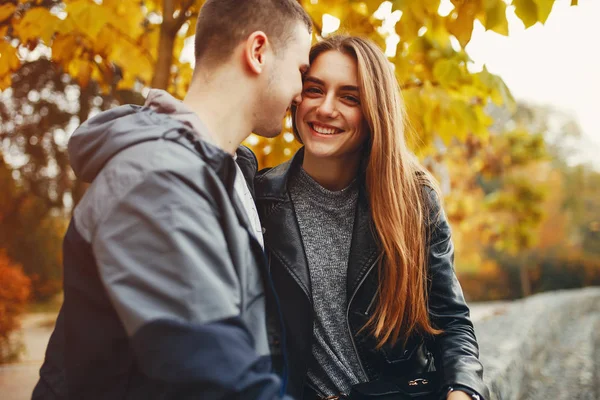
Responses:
[554,64]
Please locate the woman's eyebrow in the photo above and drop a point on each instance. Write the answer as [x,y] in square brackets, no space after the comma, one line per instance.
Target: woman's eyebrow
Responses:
[320,82]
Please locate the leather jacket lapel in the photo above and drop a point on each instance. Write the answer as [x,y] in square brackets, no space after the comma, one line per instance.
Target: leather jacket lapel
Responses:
[282,232]
[283,236]
[364,249]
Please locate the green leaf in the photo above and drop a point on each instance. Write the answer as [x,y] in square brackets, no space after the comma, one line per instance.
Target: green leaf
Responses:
[527,11]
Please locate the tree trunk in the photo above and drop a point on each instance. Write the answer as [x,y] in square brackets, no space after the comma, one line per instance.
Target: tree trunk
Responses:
[166,43]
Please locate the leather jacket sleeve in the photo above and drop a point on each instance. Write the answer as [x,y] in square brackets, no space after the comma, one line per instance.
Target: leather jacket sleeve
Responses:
[456,351]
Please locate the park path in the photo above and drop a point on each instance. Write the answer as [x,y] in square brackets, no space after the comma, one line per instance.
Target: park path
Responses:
[18,379]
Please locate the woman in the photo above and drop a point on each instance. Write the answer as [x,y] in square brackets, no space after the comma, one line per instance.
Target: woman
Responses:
[359,249]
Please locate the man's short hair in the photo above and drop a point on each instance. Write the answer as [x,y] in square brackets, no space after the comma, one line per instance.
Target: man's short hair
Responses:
[223,24]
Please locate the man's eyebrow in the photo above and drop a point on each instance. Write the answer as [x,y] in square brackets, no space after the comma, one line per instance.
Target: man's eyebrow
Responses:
[320,82]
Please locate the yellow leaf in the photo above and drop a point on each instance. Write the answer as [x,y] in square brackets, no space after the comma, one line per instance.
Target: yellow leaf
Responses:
[192,27]
[507,98]
[447,73]
[527,11]
[360,25]
[5,81]
[149,42]
[335,8]
[106,40]
[465,113]
[63,48]
[461,27]
[408,26]
[423,9]
[132,61]
[6,11]
[460,21]
[544,8]
[127,16]
[127,82]
[9,61]
[373,5]
[38,23]
[89,17]
[495,16]
[81,70]
[574,2]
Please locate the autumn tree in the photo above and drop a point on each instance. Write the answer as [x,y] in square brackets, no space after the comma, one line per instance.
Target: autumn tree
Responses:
[14,292]
[137,44]
[101,49]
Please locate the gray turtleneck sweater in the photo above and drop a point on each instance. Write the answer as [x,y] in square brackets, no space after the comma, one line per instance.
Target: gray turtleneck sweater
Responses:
[326,220]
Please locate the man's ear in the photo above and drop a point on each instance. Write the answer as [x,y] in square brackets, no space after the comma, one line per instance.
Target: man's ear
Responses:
[256,51]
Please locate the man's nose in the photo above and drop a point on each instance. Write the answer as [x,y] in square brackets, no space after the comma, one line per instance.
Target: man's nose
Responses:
[297,99]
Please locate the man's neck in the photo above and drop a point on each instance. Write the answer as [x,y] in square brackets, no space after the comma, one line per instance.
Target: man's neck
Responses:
[222,108]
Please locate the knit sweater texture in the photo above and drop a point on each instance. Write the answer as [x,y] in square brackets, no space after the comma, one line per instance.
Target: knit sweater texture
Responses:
[326,220]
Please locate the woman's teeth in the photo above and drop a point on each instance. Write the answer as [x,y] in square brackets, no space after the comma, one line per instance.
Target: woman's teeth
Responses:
[324,130]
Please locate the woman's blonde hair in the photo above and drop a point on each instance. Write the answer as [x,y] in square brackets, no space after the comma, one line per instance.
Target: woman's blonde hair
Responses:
[394,182]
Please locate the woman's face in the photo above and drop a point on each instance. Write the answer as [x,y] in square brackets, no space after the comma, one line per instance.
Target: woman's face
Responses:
[329,119]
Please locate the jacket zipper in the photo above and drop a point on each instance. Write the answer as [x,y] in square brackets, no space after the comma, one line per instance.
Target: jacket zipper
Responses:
[348,315]
[371,303]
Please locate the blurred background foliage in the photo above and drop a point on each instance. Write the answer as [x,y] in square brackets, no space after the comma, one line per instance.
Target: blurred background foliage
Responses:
[524,219]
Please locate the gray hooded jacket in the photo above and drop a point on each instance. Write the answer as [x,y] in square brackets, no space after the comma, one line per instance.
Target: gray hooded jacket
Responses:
[163,275]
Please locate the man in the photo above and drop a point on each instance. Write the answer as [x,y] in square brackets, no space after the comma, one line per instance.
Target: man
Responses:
[163,264]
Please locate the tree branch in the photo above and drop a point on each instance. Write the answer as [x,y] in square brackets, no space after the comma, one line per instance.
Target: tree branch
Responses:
[182,17]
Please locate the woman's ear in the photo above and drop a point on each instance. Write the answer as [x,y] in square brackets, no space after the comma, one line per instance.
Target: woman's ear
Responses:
[256,51]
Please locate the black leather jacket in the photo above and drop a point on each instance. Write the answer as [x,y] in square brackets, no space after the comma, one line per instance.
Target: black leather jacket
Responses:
[455,352]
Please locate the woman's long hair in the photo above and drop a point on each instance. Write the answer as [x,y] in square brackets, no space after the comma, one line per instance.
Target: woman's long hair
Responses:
[394,182]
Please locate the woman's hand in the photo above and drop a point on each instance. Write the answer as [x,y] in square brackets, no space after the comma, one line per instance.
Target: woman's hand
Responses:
[458,395]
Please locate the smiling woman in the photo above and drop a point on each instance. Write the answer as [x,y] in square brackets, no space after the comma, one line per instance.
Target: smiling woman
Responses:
[329,121]
[359,247]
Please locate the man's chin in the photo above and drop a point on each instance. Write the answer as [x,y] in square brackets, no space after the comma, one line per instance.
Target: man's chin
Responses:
[270,133]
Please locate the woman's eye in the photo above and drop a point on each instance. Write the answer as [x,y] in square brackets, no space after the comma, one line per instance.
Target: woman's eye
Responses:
[312,90]
[352,99]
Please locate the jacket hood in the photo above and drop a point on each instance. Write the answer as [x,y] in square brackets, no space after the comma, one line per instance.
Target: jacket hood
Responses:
[101,137]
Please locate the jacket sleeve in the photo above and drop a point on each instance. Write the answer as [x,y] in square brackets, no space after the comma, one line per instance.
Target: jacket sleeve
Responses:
[164,260]
[456,351]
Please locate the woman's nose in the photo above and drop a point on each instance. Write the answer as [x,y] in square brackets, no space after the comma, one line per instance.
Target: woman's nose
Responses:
[327,107]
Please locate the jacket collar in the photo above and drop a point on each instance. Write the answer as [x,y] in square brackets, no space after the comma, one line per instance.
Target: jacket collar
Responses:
[272,184]
[283,233]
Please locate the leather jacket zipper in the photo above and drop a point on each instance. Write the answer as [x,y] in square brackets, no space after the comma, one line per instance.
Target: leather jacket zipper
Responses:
[371,303]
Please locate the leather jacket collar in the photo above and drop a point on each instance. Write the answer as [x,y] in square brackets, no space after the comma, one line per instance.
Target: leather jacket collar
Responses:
[272,186]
